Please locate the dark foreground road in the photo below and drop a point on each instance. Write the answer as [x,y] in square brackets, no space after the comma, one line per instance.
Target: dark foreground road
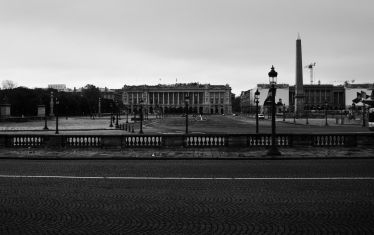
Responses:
[187,197]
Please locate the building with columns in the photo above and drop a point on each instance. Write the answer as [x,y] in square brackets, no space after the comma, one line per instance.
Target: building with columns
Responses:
[203,98]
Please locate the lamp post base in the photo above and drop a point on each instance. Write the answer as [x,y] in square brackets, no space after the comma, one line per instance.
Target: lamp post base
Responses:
[273,151]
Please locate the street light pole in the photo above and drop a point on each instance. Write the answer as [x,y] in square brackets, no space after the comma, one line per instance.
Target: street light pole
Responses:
[141,117]
[363,116]
[117,110]
[273,151]
[284,112]
[187,99]
[57,106]
[341,115]
[326,113]
[45,120]
[111,115]
[257,96]
[127,115]
[306,112]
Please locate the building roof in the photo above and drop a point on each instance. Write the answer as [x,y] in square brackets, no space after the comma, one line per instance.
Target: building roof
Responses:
[360,86]
[177,86]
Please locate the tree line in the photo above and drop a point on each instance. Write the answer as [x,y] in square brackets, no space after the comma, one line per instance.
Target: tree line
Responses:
[24,101]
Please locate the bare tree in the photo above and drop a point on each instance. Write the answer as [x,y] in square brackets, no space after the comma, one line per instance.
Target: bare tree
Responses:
[8,84]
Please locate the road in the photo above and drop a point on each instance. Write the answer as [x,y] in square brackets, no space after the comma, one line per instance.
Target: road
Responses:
[187,196]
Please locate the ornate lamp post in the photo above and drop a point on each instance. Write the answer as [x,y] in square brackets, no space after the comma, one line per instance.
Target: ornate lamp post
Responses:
[257,97]
[273,151]
[284,112]
[341,114]
[363,115]
[127,115]
[99,107]
[326,112]
[111,115]
[57,106]
[141,117]
[45,122]
[306,113]
[117,114]
[186,100]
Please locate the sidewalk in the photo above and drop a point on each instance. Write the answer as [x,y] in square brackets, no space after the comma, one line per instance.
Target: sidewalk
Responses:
[181,153]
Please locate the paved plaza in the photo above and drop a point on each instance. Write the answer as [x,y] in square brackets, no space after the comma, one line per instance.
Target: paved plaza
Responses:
[176,124]
[187,197]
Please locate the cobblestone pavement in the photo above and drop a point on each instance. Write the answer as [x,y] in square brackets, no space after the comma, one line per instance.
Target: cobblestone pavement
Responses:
[188,206]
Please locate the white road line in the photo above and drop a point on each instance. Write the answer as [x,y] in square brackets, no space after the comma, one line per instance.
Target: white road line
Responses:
[184,178]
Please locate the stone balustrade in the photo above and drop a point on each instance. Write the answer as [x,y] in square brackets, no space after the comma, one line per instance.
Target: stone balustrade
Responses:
[184,141]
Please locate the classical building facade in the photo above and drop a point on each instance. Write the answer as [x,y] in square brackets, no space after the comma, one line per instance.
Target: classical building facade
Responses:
[315,96]
[203,98]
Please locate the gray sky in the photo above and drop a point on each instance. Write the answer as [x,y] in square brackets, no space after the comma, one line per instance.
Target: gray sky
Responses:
[115,42]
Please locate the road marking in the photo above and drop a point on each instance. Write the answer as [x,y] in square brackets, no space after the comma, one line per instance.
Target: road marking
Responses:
[184,178]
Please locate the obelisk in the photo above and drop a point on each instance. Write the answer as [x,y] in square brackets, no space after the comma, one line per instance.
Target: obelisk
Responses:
[299,89]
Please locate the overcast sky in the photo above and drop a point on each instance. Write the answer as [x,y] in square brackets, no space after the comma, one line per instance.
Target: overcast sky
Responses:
[115,42]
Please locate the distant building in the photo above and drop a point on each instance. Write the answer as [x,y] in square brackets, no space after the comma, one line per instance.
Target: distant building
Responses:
[107,93]
[58,87]
[246,101]
[315,96]
[203,98]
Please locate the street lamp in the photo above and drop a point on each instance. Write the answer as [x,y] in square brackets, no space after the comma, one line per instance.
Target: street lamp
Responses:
[341,115]
[326,112]
[117,111]
[99,107]
[56,110]
[257,97]
[141,117]
[363,115]
[45,122]
[284,112]
[186,100]
[127,115]
[306,113]
[111,115]
[273,151]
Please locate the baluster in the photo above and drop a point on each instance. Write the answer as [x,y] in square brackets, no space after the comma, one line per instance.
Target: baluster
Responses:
[126,141]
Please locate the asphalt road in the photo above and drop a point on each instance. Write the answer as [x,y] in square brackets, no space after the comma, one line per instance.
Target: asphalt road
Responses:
[187,196]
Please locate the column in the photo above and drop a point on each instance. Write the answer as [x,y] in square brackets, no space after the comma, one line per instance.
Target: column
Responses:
[153,98]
